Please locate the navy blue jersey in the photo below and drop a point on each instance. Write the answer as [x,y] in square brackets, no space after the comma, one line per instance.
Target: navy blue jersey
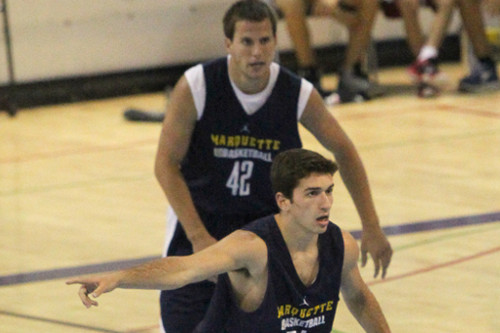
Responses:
[288,305]
[227,166]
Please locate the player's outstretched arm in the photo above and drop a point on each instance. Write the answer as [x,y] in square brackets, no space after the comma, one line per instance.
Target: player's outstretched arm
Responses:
[241,250]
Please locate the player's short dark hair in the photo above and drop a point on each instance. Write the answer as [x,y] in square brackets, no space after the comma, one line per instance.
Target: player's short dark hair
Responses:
[247,10]
[290,166]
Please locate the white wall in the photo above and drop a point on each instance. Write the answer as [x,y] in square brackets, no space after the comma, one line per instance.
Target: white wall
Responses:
[65,38]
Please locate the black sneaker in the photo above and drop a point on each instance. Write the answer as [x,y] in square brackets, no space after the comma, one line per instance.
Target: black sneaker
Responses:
[483,78]
[353,88]
[374,88]
[427,90]
[144,116]
[359,71]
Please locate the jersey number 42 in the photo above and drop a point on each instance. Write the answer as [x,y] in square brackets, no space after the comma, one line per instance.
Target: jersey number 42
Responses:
[239,179]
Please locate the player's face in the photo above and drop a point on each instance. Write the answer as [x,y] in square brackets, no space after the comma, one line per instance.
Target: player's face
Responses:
[312,201]
[252,49]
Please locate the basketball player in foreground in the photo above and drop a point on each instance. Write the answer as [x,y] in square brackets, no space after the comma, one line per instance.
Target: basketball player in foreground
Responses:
[284,271]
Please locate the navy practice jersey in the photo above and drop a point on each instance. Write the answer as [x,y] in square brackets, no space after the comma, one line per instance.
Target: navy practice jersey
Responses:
[227,166]
[288,305]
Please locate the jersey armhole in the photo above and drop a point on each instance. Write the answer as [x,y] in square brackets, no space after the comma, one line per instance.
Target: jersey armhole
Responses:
[306,88]
[265,296]
[195,77]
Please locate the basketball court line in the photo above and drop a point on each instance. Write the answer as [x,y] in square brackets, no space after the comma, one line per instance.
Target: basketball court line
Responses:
[368,147]
[479,219]
[342,117]
[447,236]
[406,228]
[90,149]
[427,140]
[468,111]
[478,112]
[75,185]
[58,273]
[57,322]
[438,224]
[434,267]
[86,327]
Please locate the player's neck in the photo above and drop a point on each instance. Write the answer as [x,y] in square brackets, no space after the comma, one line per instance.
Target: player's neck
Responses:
[296,237]
[246,84]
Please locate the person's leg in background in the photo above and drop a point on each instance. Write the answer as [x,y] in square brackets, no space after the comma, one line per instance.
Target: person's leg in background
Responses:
[182,309]
[424,71]
[409,11]
[359,17]
[484,75]
[295,15]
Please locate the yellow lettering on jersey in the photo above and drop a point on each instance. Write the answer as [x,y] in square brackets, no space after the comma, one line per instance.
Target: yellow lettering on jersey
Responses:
[230,141]
[288,309]
[235,141]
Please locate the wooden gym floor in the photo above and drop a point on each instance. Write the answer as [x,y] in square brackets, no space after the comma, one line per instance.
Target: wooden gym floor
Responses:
[78,195]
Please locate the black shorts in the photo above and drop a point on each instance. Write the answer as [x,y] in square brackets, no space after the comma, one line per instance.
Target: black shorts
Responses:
[182,309]
[391,8]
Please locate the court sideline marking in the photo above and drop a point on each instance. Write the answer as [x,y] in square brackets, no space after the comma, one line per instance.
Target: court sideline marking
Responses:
[391,230]
[434,267]
[405,228]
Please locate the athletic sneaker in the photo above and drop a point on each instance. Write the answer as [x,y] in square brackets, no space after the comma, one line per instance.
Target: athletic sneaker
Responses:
[483,78]
[426,75]
[426,70]
[353,88]
[426,90]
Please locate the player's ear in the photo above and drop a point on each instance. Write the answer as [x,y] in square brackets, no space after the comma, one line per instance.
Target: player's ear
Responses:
[227,43]
[282,201]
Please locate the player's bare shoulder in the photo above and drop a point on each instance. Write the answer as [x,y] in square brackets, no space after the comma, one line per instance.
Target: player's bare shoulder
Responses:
[251,251]
[249,285]
[351,249]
